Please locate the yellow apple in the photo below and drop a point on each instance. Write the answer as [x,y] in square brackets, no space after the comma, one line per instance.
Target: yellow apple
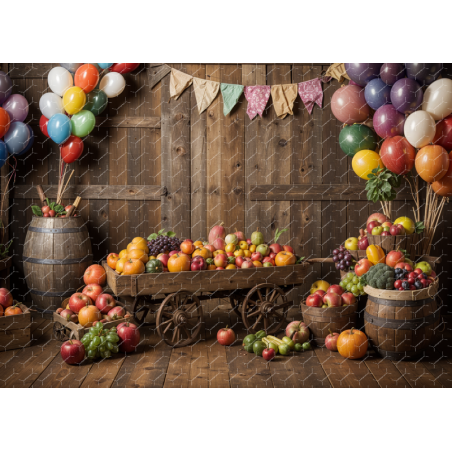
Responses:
[351,244]
[407,223]
[319,285]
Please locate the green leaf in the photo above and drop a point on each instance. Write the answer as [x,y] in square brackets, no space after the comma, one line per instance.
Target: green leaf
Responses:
[48,201]
[299,261]
[278,234]
[419,227]
[161,231]
[164,234]
[171,234]
[153,236]
[59,208]
[36,211]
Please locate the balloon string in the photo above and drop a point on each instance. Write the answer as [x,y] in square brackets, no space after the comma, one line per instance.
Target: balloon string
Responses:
[13,174]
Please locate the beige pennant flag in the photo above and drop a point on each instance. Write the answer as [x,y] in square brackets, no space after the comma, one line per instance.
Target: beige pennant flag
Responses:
[337,71]
[179,82]
[205,92]
[283,97]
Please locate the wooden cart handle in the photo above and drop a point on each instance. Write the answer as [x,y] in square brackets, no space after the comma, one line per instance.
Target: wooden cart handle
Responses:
[41,195]
[320,260]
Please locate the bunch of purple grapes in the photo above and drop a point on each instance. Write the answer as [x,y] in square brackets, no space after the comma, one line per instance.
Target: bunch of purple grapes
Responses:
[342,258]
[163,244]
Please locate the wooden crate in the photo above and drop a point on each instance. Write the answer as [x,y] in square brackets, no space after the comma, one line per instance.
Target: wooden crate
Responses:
[15,330]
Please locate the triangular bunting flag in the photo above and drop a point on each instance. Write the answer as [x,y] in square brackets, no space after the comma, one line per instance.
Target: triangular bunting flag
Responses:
[283,98]
[257,97]
[179,82]
[205,92]
[231,95]
[311,93]
[337,71]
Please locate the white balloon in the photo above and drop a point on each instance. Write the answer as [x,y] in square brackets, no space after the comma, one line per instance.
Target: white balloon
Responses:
[419,129]
[438,99]
[50,104]
[60,80]
[112,84]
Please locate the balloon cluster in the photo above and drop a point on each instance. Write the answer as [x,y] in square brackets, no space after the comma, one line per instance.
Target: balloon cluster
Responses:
[16,138]
[413,108]
[78,95]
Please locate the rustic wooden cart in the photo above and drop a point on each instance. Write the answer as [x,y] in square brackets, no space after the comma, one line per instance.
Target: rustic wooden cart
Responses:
[258,294]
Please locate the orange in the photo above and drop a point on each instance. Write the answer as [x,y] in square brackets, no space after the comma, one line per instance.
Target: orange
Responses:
[138,254]
[197,243]
[204,252]
[133,267]
[187,247]
[138,246]
[112,259]
[122,254]
[231,267]
[120,264]
[230,248]
[179,262]
[252,248]
[211,267]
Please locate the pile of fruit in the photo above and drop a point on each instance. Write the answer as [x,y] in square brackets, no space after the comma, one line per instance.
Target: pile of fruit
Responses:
[322,295]
[52,209]
[351,344]
[7,306]
[163,252]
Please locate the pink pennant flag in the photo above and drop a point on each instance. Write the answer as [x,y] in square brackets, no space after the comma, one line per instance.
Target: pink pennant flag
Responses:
[257,97]
[311,93]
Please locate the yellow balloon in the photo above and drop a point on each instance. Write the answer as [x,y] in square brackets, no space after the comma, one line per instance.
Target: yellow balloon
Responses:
[364,162]
[74,99]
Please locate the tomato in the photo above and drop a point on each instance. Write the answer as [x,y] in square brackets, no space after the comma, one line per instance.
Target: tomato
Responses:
[203,252]
[95,274]
[179,262]
[284,258]
[112,260]
[13,310]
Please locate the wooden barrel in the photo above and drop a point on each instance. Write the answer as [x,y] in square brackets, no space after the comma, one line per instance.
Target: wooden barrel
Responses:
[321,320]
[401,325]
[57,252]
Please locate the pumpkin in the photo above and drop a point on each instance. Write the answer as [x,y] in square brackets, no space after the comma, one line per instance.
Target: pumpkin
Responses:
[203,252]
[154,266]
[133,267]
[284,258]
[375,254]
[112,259]
[352,344]
[179,262]
[137,253]
[13,310]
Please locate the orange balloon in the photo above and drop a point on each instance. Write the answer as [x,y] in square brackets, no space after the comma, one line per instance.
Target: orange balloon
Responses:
[443,187]
[86,77]
[4,122]
[432,163]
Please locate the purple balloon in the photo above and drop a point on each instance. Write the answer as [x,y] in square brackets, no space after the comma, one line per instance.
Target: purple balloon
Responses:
[388,122]
[362,73]
[17,107]
[377,93]
[423,73]
[406,95]
[6,87]
[391,72]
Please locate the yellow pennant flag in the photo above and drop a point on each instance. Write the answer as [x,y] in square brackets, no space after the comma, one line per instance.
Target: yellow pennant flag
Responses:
[283,98]
[337,71]
[205,92]
[179,82]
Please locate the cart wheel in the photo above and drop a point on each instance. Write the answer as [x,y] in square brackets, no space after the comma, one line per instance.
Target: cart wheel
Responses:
[265,308]
[140,309]
[60,332]
[179,319]
[236,300]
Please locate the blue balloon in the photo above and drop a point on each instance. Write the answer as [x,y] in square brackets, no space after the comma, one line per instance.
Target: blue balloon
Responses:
[3,153]
[59,128]
[377,93]
[105,65]
[30,141]
[17,137]
[71,67]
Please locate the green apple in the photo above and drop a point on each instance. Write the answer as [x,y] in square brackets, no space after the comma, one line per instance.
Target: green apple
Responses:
[386,228]
[289,342]
[263,249]
[377,230]
[425,267]
[351,244]
[268,264]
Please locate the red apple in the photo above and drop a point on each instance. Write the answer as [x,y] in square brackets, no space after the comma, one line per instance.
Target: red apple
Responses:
[272,255]
[256,256]
[320,292]
[130,336]
[371,225]
[163,258]
[385,233]
[276,248]
[93,291]
[239,260]
[363,243]
[314,300]
[225,336]
[6,299]
[269,259]
[72,352]
[220,260]
[379,217]
[118,312]
[333,299]
[79,301]
[298,332]
[288,248]
[387,224]
[404,266]
[362,266]
[66,314]
[433,275]
[348,298]
[249,241]
[394,257]
[198,263]
[105,303]
[335,288]
[172,252]
[247,264]
[331,341]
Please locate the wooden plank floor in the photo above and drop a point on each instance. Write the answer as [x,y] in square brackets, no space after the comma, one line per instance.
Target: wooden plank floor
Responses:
[207,364]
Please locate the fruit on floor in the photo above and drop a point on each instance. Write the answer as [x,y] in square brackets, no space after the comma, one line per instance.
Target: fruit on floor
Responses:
[226,336]
[72,352]
[331,341]
[133,267]
[129,335]
[407,223]
[319,285]
[95,274]
[297,331]
[285,258]
[88,315]
[351,244]
[352,344]
[179,262]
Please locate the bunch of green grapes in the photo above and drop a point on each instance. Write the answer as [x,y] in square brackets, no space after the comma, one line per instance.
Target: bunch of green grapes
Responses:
[351,284]
[99,342]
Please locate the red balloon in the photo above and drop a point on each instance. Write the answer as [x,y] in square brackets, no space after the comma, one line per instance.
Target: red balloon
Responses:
[398,155]
[443,136]
[4,122]
[72,149]
[43,121]
[86,77]
[123,68]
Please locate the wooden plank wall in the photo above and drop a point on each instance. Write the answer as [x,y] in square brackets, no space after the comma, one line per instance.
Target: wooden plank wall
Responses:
[206,165]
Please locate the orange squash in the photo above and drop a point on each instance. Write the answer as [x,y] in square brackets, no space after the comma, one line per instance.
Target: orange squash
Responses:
[133,267]
[352,344]
[137,253]
[284,258]
[112,259]
[179,262]
[203,252]
[210,267]
[375,254]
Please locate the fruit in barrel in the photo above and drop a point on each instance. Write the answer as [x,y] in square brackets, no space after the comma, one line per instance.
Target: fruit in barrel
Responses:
[398,155]
[362,266]
[257,238]
[298,332]
[335,288]
[88,315]
[216,232]
[72,352]
[78,301]
[226,336]
[93,291]
[351,244]
[6,299]
[263,249]
[407,223]
[187,247]
[331,341]
[133,267]
[425,267]
[112,259]
[397,229]
[319,285]
[95,274]
[332,299]
[377,230]
[314,300]
[363,243]
[378,217]
[179,263]
[348,298]
[394,257]
[352,344]
[105,303]
[285,258]
[372,225]
[130,337]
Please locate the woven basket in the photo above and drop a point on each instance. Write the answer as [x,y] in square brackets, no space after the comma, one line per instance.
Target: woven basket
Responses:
[395,242]
[421,294]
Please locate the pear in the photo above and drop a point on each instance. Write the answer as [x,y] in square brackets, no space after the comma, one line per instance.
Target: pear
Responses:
[257,238]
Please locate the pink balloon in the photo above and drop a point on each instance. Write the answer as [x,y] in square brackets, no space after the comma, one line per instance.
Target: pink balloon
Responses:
[349,105]
[17,107]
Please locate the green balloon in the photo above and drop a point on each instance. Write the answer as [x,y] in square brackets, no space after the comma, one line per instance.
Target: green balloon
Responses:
[357,137]
[96,102]
[83,123]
